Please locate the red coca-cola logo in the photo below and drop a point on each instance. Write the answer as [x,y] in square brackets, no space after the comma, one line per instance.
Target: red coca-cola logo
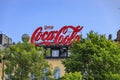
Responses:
[56,37]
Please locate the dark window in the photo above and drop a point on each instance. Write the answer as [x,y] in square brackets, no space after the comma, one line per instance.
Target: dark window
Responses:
[0,38]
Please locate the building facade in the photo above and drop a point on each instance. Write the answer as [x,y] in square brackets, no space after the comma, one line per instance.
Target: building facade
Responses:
[57,43]
[55,57]
[5,40]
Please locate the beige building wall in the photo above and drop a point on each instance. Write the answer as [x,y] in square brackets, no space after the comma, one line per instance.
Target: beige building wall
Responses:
[57,63]
[0,71]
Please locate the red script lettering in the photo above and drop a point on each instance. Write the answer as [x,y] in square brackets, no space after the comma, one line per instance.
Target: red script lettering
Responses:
[47,38]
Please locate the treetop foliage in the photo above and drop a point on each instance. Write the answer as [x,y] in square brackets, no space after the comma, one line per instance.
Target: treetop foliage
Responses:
[23,60]
[96,57]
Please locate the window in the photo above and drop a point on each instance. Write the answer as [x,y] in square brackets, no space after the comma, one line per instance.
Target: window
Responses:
[7,76]
[32,77]
[69,53]
[55,53]
[45,72]
[57,73]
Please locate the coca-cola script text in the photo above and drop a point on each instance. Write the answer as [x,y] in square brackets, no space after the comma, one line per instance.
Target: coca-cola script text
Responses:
[56,37]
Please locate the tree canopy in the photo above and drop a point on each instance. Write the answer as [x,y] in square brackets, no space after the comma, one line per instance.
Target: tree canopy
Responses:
[97,57]
[23,60]
[72,76]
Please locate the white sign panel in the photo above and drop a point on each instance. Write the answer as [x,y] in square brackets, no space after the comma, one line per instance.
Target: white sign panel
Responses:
[55,53]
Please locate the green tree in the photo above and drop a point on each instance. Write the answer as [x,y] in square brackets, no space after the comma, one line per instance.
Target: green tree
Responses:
[72,76]
[96,57]
[23,60]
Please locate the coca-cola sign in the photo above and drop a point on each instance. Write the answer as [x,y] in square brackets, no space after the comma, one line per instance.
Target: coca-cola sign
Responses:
[56,37]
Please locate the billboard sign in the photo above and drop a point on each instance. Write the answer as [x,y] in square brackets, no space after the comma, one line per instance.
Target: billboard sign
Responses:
[56,37]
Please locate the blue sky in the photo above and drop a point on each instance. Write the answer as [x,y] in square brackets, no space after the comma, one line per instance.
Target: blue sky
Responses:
[24,16]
